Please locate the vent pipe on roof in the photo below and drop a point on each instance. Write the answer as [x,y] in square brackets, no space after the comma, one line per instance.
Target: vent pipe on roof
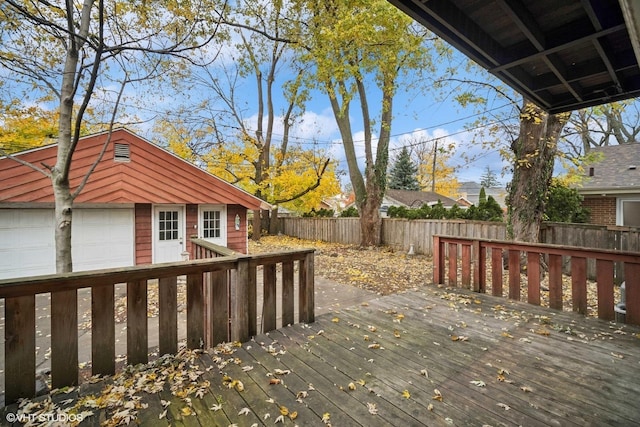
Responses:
[632,167]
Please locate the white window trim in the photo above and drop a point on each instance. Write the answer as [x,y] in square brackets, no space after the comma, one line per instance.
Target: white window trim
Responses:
[619,207]
[222,240]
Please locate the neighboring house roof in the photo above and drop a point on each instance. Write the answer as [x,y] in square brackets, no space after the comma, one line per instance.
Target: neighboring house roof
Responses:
[132,170]
[618,171]
[470,190]
[415,199]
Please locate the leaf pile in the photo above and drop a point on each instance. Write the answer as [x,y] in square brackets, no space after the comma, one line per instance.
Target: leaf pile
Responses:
[379,269]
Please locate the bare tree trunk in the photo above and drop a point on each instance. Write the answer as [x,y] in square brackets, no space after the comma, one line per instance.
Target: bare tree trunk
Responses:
[534,152]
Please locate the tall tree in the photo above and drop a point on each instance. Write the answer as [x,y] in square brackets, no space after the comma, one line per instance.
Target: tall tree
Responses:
[403,173]
[65,53]
[534,152]
[355,46]
[489,178]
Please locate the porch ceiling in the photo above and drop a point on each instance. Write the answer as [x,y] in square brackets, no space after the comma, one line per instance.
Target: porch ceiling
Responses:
[561,54]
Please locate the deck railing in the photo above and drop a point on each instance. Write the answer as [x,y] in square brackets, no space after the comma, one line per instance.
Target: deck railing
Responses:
[473,253]
[231,315]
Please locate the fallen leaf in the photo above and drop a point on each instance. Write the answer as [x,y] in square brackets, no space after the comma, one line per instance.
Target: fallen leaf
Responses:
[244,411]
[335,320]
[284,410]
[430,407]
[373,410]
[280,419]
[352,386]
[526,389]
[274,381]
[503,406]
[437,395]
[478,383]
[396,333]
[406,394]
[326,417]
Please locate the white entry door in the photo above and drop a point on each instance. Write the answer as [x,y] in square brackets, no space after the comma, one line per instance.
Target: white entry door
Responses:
[168,230]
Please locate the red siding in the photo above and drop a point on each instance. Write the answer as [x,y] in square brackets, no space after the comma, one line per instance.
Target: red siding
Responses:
[143,234]
[153,175]
[603,210]
[191,223]
[237,239]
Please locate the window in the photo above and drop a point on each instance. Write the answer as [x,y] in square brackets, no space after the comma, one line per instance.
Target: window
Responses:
[631,213]
[211,224]
[168,225]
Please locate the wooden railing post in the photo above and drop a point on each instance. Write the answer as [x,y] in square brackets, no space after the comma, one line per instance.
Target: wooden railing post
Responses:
[195,311]
[555,282]
[579,284]
[240,302]
[604,277]
[137,328]
[496,272]
[632,291]
[64,338]
[306,292]
[533,278]
[269,298]
[479,270]
[453,265]
[514,274]
[103,333]
[219,315]
[168,314]
[466,266]
[287,293]
[20,347]
[438,261]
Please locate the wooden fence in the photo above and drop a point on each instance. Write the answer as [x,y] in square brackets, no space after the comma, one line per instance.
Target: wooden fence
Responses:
[478,257]
[401,234]
[233,317]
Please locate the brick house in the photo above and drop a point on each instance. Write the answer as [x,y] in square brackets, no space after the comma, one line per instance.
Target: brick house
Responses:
[611,190]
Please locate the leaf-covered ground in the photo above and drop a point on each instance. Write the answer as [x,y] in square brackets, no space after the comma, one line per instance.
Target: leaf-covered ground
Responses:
[381,270]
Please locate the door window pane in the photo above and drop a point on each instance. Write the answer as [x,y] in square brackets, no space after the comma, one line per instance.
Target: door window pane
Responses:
[168,225]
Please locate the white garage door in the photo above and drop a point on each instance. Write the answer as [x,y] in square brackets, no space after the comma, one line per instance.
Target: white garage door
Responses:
[101,238]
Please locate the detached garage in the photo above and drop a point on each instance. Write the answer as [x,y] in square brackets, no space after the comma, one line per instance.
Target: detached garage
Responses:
[140,205]
[27,246]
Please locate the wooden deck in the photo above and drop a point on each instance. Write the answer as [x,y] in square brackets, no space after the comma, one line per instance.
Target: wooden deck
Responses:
[435,356]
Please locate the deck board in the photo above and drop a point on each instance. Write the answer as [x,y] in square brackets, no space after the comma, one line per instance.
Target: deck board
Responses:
[538,367]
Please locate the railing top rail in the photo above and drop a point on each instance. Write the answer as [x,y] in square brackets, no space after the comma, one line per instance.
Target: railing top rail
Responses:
[224,251]
[577,251]
[32,285]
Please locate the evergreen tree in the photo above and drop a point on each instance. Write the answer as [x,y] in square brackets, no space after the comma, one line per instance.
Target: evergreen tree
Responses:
[403,173]
[489,178]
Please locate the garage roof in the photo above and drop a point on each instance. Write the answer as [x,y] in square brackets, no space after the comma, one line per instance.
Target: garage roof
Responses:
[132,170]
[561,54]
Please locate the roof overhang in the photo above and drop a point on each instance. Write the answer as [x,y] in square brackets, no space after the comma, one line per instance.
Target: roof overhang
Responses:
[611,191]
[561,54]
